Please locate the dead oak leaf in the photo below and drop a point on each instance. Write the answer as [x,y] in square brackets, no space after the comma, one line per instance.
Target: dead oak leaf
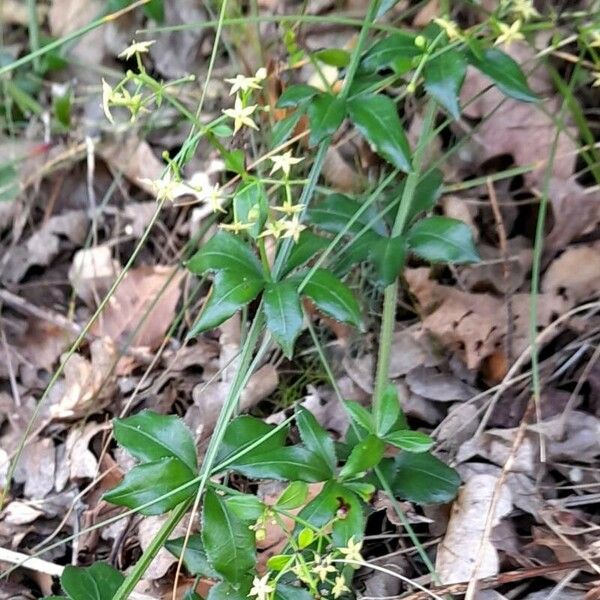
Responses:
[142,308]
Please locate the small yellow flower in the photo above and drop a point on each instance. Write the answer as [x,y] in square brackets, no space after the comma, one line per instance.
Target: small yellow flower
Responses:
[136,48]
[274,228]
[509,33]
[284,162]
[352,550]
[450,28]
[339,587]
[213,196]
[107,94]
[322,568]
[236,226]
[524,9]
[261,588]
[293,228]
[241,115]
[596,77]
[164,188]
[287,208]
[594,41]
[243,83]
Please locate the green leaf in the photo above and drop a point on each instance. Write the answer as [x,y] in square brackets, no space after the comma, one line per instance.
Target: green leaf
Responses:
[231,291]
[386,410]
[360,415]
[366,454]
[316,438]
[376,117]
[305,538]
[308,245]
[191,595]
[9,182]
[295,95]
[155,10]
[283,129]
[246,507]
[250,205]
[333,297]
[326,113]
[150,481]
[225,251]
[293,496]
[243,432]
[99,581]
[278,562]
[290,462]
[336,57]
[227,591]
[227,539]
[395,51]
[504,72]
[427,193]
[149,437]
[364,490]
[444,76]
[440,239]
[387,255]
[335,211]
[194,557]
[335,500]
[411,441]
[421,478]
[283,313]
[291,592]
[235,160]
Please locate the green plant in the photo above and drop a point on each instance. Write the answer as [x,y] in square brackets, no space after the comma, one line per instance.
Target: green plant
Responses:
[275,248]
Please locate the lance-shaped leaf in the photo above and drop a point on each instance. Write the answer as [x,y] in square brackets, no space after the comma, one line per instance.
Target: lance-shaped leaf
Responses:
[333,297]
[335,212]
[504,72]
[386,410]
[387,255]
[316,438]
[99,581]
[366,454]
[326,113]
[230,292]
[283,313]
[245,431]
[308,245]
[194,557]
[296,94]
[444,76]
[228,540]
[149,437]
[395,51]
[225,251]
[150,481]
[376,117]
[250,205]
[440,239]
[290,462]
[411,441]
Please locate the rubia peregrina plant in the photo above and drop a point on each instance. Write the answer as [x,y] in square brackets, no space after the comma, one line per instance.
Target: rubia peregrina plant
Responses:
[276,246]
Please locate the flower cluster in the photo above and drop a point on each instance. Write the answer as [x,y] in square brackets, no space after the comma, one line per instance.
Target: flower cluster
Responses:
[317,572]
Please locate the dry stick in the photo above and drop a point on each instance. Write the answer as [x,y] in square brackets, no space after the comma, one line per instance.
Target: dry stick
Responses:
[502,579]
[524,356]
[505,262]
[491,511]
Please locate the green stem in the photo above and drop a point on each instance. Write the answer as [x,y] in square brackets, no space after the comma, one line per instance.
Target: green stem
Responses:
[151,551]
[390,296]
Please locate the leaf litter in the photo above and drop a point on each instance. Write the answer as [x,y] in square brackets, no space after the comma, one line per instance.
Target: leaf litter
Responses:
[463,331]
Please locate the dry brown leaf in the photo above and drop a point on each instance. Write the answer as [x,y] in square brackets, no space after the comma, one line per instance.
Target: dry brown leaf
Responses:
[137,299]
[147,530]
[86,385]
[21,513]
[92,272]
[475,325]
[522,130]
[575,274]
[36,468]
[44,342]
[463,547]
[434,384]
